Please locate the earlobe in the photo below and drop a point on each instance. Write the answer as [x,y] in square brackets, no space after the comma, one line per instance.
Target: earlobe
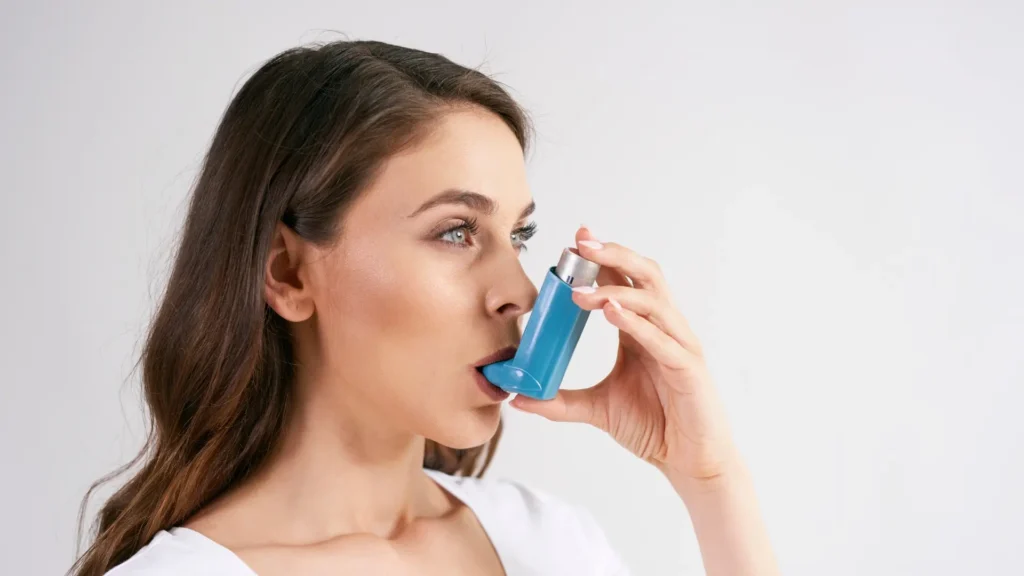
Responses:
[283,279]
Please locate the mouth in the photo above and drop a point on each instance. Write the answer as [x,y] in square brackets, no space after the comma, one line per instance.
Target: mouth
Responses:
[493,392]
[497,356]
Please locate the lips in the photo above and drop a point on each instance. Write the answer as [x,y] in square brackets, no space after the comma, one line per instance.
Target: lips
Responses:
[496,356]
[493,392]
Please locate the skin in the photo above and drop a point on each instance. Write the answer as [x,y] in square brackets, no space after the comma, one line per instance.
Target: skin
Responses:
[387,325]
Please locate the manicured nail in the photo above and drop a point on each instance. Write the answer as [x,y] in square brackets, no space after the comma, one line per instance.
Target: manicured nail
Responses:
[615,303]
[585,289]
[591,244]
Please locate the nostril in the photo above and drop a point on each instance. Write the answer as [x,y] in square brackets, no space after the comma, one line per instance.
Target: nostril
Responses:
[509,308]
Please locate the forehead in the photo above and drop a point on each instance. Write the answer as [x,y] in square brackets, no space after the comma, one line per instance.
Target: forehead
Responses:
[469,149]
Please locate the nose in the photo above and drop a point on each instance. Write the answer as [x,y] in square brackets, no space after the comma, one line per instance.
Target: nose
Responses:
[510,293]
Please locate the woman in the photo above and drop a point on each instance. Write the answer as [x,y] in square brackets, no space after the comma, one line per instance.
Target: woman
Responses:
[349,258]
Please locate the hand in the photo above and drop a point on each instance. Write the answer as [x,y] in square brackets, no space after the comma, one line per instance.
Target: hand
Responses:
[658,401]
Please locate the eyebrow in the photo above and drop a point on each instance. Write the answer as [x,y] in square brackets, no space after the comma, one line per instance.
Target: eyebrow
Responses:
[473,200]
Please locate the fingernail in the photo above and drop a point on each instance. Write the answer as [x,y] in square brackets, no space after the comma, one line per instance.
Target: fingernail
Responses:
[585,289]
[591,244]
[615,303]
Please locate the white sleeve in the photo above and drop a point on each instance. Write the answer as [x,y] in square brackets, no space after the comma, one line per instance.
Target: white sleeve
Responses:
[579,544]
[606,559]
[537,532]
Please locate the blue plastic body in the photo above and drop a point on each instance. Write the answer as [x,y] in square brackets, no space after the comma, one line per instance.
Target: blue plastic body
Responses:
[548,342]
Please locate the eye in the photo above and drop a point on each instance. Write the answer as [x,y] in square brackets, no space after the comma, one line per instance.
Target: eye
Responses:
[522,234]
[455,235]
[459,234]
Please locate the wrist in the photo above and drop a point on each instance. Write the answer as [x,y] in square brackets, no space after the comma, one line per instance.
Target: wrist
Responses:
[727,521]
[728,474]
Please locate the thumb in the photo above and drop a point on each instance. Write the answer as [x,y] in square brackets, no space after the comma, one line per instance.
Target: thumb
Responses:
[566,406]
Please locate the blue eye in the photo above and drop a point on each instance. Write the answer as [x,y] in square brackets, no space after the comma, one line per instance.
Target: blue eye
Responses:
[458,235]
[521,235]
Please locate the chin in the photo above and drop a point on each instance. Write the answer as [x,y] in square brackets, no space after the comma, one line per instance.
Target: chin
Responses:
[470,428]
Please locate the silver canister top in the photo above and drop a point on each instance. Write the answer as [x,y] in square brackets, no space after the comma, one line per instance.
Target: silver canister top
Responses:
[575,270]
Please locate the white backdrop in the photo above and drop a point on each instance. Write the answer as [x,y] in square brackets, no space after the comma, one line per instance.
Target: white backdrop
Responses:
[834,189]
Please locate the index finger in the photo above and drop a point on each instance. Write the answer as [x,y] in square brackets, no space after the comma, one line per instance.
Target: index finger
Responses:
[644,272]
[606,276]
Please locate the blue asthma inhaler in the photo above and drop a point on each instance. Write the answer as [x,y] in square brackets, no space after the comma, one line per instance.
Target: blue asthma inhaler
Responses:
[551,333]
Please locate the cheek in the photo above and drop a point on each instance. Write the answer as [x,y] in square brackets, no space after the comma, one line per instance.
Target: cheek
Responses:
[401,324]
[400,333]
[404,306]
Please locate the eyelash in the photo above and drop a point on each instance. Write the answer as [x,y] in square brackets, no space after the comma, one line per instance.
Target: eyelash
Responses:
[470,225]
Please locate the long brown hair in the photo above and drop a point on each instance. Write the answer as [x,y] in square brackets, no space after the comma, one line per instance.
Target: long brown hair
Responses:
[302,137]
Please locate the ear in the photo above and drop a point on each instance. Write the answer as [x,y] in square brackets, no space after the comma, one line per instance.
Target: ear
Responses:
[285,279]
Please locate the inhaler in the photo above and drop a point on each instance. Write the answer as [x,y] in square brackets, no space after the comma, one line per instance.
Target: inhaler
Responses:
[551,333]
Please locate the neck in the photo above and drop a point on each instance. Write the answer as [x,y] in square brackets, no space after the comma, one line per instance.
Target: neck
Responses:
[339,470]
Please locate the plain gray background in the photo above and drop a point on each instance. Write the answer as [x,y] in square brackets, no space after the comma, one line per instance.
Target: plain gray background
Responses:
[834,189]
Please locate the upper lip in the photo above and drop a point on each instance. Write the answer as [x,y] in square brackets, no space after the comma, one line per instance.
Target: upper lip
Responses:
[497,356]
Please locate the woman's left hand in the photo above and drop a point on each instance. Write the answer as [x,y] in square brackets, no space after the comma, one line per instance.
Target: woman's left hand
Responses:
[658,401]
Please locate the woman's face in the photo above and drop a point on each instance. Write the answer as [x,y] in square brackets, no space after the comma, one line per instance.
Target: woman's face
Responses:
[411,297]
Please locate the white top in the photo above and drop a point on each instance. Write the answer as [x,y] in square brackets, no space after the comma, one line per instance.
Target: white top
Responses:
[533,533]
